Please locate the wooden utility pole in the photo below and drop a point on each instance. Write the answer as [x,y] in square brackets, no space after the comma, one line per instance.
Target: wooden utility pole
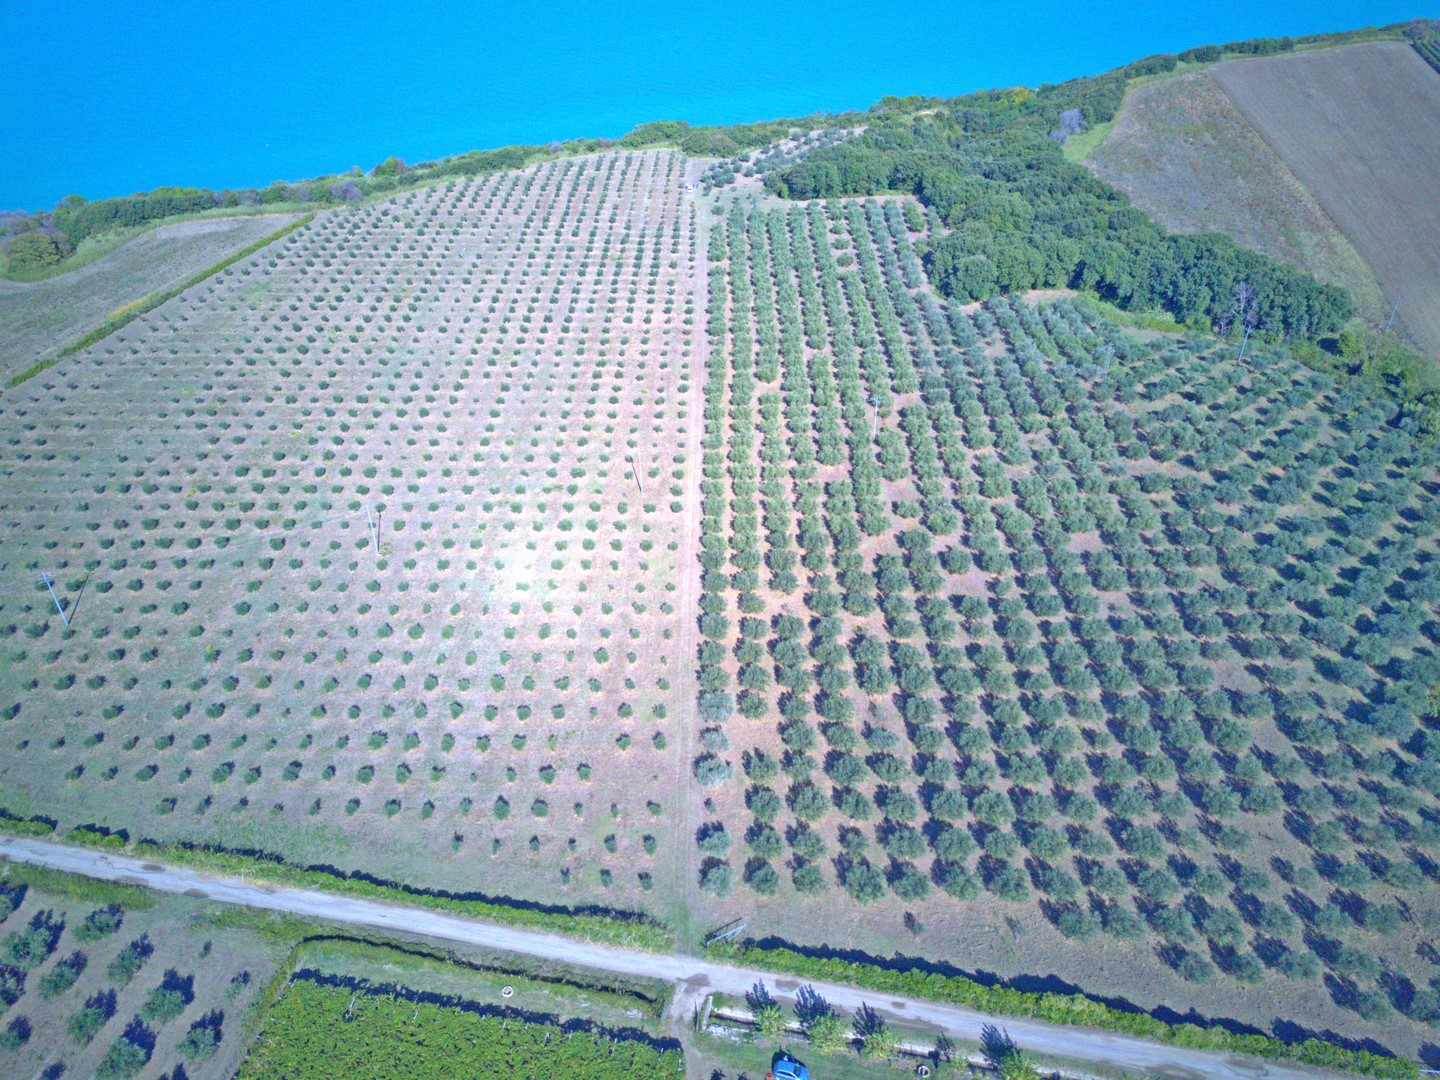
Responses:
[65,618]
[1393,310]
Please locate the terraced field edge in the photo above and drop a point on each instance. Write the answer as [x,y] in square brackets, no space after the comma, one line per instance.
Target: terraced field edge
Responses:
[130,312]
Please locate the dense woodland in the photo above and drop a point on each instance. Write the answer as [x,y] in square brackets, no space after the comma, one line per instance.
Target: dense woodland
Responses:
[1019,216]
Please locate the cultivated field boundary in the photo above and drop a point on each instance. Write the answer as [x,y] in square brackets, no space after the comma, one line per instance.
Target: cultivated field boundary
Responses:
[1086,1029]
[1079,147]
[317,935]
[130,312]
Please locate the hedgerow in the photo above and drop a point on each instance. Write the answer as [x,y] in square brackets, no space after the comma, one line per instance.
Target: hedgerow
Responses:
[413,1039]
[20,826]
[1070,1009]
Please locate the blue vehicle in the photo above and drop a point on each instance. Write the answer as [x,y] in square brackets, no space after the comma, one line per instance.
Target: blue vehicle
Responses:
[785,1067]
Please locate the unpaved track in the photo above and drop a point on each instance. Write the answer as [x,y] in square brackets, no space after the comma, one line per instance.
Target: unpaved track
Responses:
[1095,1047]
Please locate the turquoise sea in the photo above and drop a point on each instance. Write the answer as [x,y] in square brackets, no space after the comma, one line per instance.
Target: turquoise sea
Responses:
[99,98]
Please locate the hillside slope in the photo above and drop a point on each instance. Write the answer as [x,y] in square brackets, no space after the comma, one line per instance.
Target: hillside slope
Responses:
[1327,160]
[1185,155]
[1357,126]
[467,354]
[41,317]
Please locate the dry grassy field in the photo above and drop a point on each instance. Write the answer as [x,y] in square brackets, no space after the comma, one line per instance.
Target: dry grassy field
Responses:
[497,374]
[164,980]
[1184,154]
[1357,126]
[48,314]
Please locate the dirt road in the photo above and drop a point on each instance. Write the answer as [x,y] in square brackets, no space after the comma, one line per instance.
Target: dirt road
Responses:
[1096,1047]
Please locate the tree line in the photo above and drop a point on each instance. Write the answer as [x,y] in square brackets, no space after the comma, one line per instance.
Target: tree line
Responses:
[1019,216]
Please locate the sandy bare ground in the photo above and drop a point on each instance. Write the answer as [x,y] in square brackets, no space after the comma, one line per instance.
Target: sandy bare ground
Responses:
[1358,126]
[1094,1046]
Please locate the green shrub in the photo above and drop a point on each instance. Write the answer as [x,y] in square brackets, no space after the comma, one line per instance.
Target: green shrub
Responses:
[1075,1009]
[62,976]
[125,1059]
[424,1038]
[100,923]
[164,1003]
[84,1025]
[32,253]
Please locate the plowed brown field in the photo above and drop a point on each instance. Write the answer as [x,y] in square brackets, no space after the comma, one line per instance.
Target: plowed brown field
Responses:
[1358,126]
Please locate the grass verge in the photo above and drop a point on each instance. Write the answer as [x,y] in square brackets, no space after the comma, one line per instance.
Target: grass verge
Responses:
[1069,1009]
[1158,321]
[1078,147]
[538,987]
[631,930]
[77,886]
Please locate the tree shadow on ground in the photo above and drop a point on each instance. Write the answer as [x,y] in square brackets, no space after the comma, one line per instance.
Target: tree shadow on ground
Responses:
[1286,1031]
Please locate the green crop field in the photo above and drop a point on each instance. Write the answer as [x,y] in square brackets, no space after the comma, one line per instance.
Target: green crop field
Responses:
[319,1029]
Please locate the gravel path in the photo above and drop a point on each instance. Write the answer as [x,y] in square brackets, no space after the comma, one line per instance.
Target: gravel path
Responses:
[1096,1047]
